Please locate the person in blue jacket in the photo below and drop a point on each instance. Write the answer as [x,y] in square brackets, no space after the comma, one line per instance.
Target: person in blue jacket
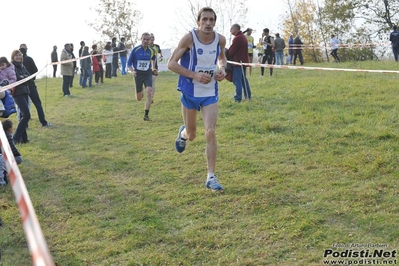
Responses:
[141,63]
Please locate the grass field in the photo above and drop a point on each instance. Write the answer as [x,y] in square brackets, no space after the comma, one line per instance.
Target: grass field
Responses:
[309,164]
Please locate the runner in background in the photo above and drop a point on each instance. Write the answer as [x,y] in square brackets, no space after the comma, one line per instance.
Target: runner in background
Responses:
[141,63]
[158,56]
[251,46]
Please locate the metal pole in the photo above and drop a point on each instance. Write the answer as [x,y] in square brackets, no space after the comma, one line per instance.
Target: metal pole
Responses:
[246,91]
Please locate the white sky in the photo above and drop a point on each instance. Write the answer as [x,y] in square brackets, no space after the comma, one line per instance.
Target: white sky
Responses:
[44,23]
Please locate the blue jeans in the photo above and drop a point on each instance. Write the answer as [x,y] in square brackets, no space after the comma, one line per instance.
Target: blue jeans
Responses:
[87,73]
[81,77]
[66,82]
[241,82]
[123,63]
[280,58]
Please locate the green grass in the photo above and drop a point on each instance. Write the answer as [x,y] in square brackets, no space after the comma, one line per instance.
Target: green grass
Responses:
[310,162]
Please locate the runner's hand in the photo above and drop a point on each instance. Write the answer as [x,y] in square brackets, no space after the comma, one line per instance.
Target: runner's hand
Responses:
[220,74]
[202,77]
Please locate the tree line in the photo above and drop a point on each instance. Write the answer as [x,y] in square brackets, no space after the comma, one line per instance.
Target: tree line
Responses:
[363,26]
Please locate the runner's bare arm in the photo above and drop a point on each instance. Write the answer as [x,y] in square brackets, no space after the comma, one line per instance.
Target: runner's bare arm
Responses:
[185,44]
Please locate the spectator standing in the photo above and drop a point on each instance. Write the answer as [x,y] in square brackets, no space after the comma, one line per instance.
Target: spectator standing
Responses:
[21,97]
[74,66]
[291,48]
[115,57]
[122,55]
[279,45]
[334,42]
[141,62]
[54,59]
[268,44]
[261,50]
[82,45]
[199,88]
[238,52]
[394,39]
[85,64]
[66,69]
[108,60]
[30,65]
[97,65]
[298,49]
[251,46]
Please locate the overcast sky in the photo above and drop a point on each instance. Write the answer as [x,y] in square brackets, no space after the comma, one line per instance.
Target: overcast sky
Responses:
[44,23]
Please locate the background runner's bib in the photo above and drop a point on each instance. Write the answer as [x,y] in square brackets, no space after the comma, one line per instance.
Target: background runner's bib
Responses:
[143,65]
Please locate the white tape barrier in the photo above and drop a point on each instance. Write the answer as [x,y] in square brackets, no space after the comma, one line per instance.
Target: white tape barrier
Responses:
[315,68]
[37,244]
[342,45]
[10,86]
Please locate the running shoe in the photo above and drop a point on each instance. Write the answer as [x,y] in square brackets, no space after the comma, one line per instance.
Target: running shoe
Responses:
[180,143]
[212,183]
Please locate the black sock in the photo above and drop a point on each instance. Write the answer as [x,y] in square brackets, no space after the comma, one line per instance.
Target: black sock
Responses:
[146,112]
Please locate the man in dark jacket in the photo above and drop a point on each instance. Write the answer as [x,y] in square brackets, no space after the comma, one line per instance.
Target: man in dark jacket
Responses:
[115,57]
[298,49]
[54,59]
[238,52]
[394,38]
[30,65]
[290,48]
[81,76]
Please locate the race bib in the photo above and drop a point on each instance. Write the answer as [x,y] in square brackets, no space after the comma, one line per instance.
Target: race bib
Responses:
[143,65]
[209,70]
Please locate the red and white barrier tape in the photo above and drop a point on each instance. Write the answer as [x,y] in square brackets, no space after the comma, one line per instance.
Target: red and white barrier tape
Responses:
[342,45]
[10,86]
[315,68]
[37,244]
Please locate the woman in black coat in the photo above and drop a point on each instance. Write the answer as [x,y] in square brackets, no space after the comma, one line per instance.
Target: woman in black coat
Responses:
[21,97]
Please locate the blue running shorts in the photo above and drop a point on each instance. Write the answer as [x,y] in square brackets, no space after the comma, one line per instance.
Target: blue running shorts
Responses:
[191,102]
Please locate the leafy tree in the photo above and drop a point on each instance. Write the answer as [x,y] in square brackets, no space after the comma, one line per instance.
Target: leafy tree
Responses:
[117,19]
[380,15]
[301,20]
[341,18]
[337,17]
[316,20]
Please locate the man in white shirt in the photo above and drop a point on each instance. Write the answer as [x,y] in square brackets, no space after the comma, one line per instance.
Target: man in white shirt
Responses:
[334,42]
